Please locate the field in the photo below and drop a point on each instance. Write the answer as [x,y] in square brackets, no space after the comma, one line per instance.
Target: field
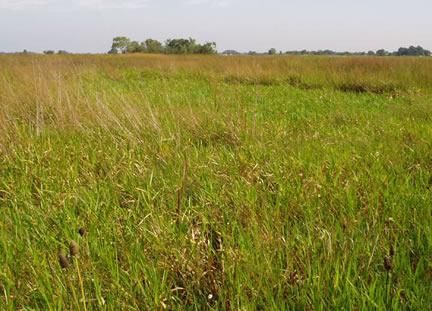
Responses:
[232,183]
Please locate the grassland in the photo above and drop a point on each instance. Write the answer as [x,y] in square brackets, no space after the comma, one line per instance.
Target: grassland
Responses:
[215,182]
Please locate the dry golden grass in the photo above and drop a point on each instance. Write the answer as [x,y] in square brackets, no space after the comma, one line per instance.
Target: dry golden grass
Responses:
[53,91]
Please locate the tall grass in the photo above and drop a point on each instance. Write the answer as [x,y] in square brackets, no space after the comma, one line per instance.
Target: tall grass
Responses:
[215,182]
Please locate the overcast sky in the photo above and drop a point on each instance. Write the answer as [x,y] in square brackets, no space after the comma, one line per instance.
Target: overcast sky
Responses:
[90,25]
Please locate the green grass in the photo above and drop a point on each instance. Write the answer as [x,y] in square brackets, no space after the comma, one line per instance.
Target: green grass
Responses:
[203,191]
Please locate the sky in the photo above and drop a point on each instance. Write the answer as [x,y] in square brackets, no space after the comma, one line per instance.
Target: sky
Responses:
[245,25]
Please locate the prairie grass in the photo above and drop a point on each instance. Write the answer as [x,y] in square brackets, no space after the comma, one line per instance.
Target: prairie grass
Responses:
[193,182]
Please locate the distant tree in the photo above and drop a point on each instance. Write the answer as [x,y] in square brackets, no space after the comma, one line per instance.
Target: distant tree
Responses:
[230,52]
[412,51]
[172,46]
[252,53]
[418,51]
[272,51]
[49,52]
[189,46]
[62,52]
[180,46]
[330,52]
[381,52]
[177,46]
[142,47]
[206,48]
[134,47]
[121,44]
[403,52]
[113,51]
[153,46]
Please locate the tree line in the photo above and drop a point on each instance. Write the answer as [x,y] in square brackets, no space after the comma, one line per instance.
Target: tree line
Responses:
[410,51]
[124,45]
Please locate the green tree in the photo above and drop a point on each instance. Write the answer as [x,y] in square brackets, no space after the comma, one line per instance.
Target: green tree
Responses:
[172,46]
[134,47]
[272,51]
[179,46]
[230,52]
[412,51]
[153,46]
[189,46]
[121,44]
[381,52]
[206,48]
[113,51]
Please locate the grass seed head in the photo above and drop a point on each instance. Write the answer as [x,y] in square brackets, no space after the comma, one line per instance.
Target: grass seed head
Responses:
[63,261]
[73,248]
[392,251]
[82,231]
[388,263]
